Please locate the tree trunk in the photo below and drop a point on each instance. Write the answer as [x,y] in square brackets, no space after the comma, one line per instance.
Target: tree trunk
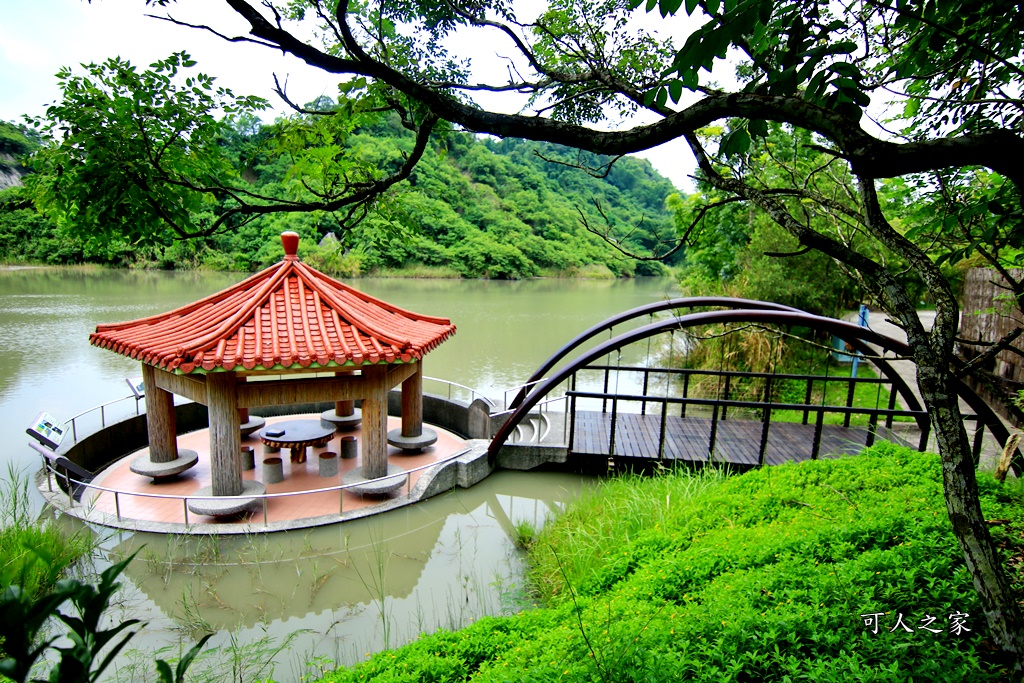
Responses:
[960,485]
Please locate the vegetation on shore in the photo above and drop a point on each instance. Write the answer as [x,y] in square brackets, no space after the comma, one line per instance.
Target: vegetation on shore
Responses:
[473,208]
[796,572]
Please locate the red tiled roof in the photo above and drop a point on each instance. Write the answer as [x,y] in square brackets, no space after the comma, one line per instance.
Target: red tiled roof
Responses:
[289,315]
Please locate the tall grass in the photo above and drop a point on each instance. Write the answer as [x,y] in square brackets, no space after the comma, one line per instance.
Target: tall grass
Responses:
[35,552]
[588,537]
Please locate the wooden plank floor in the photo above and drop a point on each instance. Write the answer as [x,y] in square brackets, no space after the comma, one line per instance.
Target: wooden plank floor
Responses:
[736,441]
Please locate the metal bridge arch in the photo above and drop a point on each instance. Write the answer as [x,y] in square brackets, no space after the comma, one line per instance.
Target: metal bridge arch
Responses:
[751,312]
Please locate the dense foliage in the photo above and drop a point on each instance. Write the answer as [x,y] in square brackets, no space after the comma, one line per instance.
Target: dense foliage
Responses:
[472,208]
[764,576]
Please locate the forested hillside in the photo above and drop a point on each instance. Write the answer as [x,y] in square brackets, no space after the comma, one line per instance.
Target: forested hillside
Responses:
[472,208]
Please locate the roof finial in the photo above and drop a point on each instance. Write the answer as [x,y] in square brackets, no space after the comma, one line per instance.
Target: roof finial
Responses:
[290,242]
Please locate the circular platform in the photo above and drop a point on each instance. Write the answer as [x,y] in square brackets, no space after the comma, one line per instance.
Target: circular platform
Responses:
[158,470]
[225,506]
[428,437]
[375,487]
[255,423]
[342,421]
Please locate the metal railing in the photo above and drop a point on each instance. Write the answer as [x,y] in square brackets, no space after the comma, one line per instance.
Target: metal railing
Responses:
[102,408]
[75,486]
[473,393]
[718,413]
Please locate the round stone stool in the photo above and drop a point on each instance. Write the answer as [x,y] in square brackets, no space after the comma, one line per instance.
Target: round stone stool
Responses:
[412,444]
[342,422]
[254,424]
[328,464]
[392,481]
[349,447]
[248,459]
[273,471]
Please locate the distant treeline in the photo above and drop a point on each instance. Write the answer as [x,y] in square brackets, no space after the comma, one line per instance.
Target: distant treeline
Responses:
[472,208]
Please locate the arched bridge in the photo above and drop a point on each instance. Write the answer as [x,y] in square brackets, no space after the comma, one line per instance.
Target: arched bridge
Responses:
[748,419]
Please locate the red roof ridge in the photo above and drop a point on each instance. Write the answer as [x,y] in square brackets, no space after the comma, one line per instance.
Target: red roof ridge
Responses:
[287,315]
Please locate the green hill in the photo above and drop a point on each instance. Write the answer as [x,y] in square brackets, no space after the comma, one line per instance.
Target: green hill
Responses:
[472,208]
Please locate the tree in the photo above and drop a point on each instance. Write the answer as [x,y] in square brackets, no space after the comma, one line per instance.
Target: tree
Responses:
[946,72]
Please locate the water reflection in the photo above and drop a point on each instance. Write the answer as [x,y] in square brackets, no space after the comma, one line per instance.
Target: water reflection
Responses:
[357,587]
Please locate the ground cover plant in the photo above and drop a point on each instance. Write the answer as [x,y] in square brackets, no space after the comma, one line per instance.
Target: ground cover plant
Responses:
[764,576]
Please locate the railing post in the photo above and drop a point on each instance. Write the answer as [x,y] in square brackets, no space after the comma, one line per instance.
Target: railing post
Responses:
[604,401]
[714,431]
[67,482]
[872,428]
[266,523]
[103,416]
[661,437]
[117,505]
[922,445]
[611,435]
[766,420]
[979,433]
[807,398]
[643,405]
[892,406]
[816,443]
[851,386]
[572,417]
[686,393]
[725,397]
[184,504]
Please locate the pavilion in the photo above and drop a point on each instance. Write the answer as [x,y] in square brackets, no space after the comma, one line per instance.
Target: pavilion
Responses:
[285,320]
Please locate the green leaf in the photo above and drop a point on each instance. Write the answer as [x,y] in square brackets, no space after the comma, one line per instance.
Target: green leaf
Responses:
[712,7]
[758,128]
[691,6]
[669,7]
[735,143]
[675,90]
[662,97]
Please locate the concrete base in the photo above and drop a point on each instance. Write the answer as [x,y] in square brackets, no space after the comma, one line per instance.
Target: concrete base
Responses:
[342,421]
[375,487]
[227,505]
[158,470]
[428,437]
[254,424]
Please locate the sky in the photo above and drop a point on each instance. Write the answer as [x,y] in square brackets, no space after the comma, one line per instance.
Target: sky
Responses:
[39,37]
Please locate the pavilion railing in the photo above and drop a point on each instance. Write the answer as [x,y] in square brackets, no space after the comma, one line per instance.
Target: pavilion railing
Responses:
[74,486]
[74,422]
[473,393]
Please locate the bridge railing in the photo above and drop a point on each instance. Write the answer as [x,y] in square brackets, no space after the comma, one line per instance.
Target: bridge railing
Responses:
[718,408]
[753,387]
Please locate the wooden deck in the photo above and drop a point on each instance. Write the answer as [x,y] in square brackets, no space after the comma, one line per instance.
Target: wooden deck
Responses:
[736,441]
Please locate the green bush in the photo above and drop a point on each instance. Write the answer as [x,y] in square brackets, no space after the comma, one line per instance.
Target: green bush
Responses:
[759,577]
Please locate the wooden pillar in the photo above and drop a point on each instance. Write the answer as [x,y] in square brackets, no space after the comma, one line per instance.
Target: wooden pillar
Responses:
[225,438]
[160,420]
[412,403]
[375,422]
[344,408]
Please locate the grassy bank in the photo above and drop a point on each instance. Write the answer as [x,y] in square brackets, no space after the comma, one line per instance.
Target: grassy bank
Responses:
[758,577]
